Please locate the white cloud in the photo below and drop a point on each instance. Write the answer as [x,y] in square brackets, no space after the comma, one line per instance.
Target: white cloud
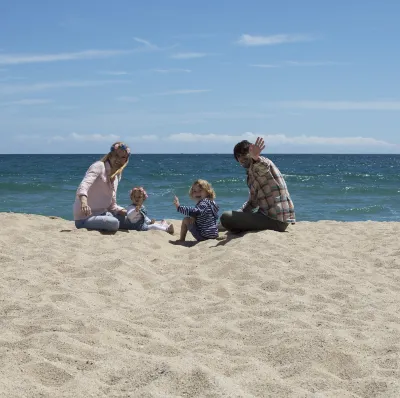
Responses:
[282,139]
[13,89]
[194,36]
[27,102]
[341,105]
[298,63]
[56,138]
[146,43]
[329,141]
[30,137]
[189,137]
[148,137]
[181,92]
[86,138]
[65,107]
[314,63]
[16,59]
[94,137]
[177,70]
[196,117]
[10,78]
[113,73]
[189,55]
[250,40]
[264,66]
[128,99]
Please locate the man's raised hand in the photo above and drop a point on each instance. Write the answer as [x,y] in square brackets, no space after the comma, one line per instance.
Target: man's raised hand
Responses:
[256,149]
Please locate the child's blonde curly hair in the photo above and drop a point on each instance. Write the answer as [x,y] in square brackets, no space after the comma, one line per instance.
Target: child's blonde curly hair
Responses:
[139,189]
[203,184]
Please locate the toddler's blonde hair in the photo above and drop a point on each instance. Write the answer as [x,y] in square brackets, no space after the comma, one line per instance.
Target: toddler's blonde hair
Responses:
[203,184]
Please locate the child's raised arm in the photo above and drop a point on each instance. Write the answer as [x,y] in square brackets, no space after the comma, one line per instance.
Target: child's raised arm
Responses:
[195,211]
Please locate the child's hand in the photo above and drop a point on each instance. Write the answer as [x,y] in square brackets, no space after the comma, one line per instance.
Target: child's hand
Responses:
[176,202]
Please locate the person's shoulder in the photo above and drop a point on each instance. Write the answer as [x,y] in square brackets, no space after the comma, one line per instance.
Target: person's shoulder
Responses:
[209,202]
[264,159]
[261,162]
[98,165]
[96,168]
[204,201]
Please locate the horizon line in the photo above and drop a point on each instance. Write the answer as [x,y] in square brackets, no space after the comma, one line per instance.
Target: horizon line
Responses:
[196,153]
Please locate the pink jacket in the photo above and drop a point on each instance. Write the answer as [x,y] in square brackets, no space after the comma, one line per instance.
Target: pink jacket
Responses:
[101,193]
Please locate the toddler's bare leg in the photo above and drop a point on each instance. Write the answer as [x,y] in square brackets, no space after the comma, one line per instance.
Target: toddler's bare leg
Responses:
[184,228]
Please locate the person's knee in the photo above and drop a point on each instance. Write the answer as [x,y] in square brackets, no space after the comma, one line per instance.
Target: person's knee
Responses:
[78,224]
[226,219]
[186,221]
[112,224]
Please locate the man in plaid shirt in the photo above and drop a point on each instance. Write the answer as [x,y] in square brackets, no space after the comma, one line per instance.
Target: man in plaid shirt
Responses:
[269,205]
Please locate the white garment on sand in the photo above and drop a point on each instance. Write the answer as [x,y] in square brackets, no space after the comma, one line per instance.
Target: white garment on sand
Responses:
[158,226]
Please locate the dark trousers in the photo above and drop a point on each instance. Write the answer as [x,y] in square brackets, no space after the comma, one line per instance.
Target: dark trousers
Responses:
[238,221]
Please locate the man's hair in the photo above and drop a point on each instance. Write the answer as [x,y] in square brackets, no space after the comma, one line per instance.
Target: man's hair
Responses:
[241,148]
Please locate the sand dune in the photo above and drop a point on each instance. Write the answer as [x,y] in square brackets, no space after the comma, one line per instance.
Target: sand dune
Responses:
[313,312]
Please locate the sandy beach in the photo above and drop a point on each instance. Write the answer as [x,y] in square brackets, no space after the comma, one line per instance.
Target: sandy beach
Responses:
[313,312]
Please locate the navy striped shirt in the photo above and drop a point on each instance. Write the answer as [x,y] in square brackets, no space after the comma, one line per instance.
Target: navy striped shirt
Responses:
[206,214]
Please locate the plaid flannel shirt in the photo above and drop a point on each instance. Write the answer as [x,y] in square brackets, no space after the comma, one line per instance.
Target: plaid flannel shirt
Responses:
[268,191]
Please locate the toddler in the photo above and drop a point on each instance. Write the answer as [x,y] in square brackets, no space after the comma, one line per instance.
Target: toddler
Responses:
[137,214]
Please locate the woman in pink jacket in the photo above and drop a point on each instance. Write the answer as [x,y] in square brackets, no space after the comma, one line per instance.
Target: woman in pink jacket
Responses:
[95,205]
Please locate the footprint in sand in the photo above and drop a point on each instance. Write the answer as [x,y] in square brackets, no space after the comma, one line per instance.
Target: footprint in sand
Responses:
[271,286]
[68,298]
[49,375]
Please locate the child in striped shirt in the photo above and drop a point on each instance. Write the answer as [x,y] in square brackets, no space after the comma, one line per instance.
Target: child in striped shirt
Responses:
[201,219]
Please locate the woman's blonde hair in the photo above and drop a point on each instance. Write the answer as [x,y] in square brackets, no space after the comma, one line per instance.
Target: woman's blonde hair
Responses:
[112,153]
[203,184]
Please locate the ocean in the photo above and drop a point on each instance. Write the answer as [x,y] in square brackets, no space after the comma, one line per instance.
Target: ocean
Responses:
[322,187]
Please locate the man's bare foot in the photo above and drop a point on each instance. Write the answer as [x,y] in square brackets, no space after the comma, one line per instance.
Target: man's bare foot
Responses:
[170,229]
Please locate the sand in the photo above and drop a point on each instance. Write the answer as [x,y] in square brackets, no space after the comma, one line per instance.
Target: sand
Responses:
[313,312]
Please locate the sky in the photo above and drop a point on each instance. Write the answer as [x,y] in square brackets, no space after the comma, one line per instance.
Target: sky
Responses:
[184,76]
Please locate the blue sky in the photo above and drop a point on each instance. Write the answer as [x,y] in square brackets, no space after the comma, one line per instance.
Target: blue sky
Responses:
[196,77]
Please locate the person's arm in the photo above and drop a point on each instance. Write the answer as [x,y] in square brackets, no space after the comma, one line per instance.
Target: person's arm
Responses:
[249,205]
[90,177]
[261,166]
[114,208]
[147,220]
[252,201]
[261,174]
[191,211]
[254,151]
[195,211]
